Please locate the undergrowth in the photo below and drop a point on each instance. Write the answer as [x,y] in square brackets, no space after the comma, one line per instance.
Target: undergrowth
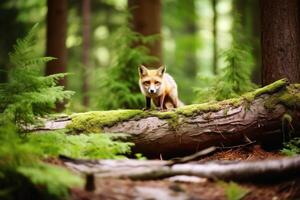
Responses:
[233,191]
[23,175]
[292,147]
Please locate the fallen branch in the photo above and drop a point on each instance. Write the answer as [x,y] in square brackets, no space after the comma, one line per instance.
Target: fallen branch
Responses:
[267,170]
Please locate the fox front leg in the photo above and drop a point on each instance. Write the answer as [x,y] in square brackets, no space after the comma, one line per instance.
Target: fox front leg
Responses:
[148,103]
[161,102]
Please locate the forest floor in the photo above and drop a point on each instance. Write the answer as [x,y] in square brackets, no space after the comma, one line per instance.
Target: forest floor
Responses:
[165,189]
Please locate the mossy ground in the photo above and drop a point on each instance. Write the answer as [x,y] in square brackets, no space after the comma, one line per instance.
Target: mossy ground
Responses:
[94,121]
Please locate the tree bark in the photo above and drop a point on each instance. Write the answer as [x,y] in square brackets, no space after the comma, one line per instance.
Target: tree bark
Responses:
[226,123]
[85,51]
[146,20]
[56,40]
[280,40]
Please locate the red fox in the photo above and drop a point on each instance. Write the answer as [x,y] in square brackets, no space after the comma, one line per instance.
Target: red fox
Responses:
[160,87]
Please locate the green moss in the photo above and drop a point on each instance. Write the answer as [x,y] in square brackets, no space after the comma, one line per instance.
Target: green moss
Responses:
[170,116]
[198,108]
[94,121]
[268,89]
[290,97]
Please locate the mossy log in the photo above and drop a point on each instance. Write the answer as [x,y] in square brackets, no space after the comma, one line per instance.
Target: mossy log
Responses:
[268,113]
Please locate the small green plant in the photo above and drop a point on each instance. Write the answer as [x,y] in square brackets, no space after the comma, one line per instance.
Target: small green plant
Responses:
[121,89]
[233,191]
[28,94]
[292,147]
[88,146]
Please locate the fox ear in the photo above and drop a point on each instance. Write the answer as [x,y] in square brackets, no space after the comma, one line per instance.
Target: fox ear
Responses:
[143,71]
[161,70]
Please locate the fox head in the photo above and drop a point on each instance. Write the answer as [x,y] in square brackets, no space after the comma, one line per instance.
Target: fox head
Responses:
[151,81]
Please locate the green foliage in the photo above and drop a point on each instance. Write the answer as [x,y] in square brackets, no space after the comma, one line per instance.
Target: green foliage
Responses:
[292,147]
[236,77]
[27,94]
[120,88]
[20,168]
[83,146]
[233,191]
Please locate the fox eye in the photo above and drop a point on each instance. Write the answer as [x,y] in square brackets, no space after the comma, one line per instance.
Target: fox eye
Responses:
[146,83]
[157,83]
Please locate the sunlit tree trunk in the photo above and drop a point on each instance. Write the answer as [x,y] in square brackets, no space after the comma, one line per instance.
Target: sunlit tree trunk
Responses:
[56,39]
[146,19]
[86,47]
[215,39]
[280,40]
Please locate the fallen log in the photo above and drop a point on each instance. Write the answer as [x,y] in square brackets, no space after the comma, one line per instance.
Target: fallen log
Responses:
[268,113]
[264,170]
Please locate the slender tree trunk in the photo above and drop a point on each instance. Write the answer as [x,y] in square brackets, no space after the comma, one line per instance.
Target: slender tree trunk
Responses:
[190,29]
[254,15]
[215,35]
[147,21]
[86,47]
[280,40]
[56,40]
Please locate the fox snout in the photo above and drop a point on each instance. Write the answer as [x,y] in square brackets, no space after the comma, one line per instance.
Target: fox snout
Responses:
[152,90]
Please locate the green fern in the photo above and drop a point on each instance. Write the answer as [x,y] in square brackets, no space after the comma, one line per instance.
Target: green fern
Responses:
[27,94]
[22,173]
[83,146]
[120,89]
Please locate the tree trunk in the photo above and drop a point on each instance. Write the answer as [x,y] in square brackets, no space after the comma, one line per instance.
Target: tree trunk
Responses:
[56,40]
[257,116]
[85,51]
[190,46]
[146,20]
[280,40]
[215,35]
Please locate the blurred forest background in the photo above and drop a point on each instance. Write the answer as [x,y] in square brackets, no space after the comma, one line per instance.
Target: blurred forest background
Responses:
[205,44]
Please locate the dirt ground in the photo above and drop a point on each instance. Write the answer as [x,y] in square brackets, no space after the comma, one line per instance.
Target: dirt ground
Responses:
[115,189]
